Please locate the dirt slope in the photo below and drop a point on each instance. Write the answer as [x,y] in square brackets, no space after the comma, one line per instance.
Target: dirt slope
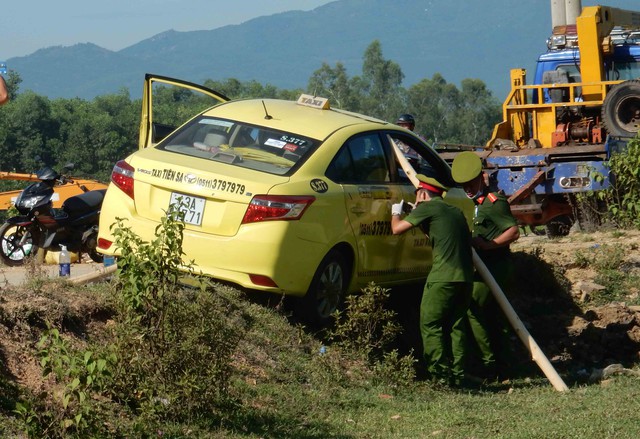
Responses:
[573,318]
[578,296]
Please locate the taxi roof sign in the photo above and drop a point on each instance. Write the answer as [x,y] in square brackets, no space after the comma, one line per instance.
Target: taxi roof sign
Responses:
[314,102]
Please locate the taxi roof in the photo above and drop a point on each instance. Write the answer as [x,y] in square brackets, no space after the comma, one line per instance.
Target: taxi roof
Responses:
[291,116]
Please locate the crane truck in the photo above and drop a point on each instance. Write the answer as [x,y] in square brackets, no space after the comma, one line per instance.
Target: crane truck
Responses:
[583,106]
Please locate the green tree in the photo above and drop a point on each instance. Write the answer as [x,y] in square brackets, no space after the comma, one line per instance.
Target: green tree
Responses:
[434,103]
[478,112]
[380,85]
[236,89]
[29,129]
[95,135]
[333,83]
[13,81]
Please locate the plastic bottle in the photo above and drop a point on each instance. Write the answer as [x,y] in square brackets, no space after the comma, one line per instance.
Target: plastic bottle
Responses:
[108,260]
[65,261]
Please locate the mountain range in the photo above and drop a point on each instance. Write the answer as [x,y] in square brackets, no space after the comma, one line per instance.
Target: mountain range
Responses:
[480,39]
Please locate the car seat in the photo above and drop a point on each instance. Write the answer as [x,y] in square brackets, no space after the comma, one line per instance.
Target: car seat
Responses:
[212,141]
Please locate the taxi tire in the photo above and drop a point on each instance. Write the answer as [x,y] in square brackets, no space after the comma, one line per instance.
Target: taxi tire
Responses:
[327,291]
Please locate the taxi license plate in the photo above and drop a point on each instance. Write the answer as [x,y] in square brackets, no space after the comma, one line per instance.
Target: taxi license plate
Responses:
[192,207]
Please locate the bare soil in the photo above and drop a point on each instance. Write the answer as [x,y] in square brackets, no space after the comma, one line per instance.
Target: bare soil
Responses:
[577,299]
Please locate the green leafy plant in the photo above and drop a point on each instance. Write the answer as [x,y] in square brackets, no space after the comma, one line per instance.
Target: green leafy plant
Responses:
[176,342]
[365,328]
[149,271]
[82,375]
[623,195]
[583,259]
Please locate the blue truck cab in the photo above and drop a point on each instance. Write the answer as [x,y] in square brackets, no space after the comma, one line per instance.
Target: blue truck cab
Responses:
[559,65]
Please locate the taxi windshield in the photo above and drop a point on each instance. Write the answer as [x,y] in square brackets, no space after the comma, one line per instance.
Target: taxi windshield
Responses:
[239,144]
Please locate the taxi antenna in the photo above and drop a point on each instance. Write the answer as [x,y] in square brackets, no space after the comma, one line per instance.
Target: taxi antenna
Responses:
[266,113]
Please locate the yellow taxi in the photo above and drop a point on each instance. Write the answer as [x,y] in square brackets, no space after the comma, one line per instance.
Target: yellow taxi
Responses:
[289,197]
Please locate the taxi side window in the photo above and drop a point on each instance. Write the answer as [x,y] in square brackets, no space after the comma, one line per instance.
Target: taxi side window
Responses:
[360,160]
[421,163]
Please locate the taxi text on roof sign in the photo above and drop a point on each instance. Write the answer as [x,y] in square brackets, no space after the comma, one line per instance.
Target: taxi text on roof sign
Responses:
[314,101]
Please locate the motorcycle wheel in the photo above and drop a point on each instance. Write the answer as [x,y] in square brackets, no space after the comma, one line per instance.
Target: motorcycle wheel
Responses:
[95,255]
[17,243]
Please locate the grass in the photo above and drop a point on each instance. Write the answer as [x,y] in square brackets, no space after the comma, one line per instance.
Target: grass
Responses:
[269,377]
[283,387]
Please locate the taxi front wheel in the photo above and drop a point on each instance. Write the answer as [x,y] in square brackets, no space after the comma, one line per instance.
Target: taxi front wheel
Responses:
[327,290]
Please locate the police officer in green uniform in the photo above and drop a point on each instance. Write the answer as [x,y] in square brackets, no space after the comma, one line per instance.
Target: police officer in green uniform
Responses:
[447,292]
[494,229]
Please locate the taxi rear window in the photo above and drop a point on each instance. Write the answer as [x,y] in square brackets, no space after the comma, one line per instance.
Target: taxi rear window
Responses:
[248,146]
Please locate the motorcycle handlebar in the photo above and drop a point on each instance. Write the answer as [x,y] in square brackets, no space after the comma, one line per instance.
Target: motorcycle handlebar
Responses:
[63,179]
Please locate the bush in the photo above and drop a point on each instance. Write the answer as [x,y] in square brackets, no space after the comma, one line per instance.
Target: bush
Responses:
[365,329]
[175,342]
[623,196]
[169,355]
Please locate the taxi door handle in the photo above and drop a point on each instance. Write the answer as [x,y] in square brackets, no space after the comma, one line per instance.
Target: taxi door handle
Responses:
[357,209]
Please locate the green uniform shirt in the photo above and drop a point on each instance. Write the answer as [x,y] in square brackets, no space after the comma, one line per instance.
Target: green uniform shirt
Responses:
[491,220]
[450,239]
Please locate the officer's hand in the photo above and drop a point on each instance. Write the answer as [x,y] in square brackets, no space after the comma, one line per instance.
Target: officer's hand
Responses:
[396,209]
[409,206]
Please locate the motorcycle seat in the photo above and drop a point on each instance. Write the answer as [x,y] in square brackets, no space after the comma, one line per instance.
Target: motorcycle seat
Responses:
[85,202]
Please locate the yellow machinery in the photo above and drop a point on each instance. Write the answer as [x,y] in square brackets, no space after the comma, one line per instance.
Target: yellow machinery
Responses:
[573,106]
[584,105]
[62,192]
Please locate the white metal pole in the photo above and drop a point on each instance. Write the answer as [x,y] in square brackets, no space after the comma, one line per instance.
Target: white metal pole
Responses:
[558,13]
[573,10]
[526,338]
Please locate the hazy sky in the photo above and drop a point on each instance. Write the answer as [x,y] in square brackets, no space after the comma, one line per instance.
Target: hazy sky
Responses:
[29,25]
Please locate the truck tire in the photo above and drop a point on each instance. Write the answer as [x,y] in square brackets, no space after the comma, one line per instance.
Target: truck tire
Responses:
[621,109]
[589,212]
[559,226]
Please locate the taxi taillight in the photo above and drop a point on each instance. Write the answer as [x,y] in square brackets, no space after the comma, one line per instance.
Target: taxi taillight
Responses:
[104,244]
[122,177]
[276,207]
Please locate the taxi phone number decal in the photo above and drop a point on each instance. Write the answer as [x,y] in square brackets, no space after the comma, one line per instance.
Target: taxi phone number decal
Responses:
[214,184]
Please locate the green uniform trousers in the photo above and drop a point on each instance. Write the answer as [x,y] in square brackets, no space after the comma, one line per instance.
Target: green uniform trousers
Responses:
[487,321]
[443,314]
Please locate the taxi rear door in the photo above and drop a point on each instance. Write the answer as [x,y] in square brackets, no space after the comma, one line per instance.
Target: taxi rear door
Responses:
[176,102]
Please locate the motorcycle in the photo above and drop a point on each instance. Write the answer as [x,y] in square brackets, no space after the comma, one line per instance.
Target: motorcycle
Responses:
[41,227]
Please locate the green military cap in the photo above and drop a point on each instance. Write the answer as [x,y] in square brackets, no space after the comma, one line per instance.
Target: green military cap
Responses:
[430,184]
[466,166]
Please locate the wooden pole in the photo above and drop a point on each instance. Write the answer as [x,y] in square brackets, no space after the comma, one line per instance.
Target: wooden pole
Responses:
[98,274]
[526,338]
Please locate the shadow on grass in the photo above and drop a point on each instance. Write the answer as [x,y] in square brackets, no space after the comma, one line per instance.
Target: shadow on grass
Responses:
[258,423]
[9,392]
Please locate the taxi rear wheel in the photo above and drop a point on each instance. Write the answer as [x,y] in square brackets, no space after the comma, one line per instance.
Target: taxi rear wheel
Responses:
[327,290]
